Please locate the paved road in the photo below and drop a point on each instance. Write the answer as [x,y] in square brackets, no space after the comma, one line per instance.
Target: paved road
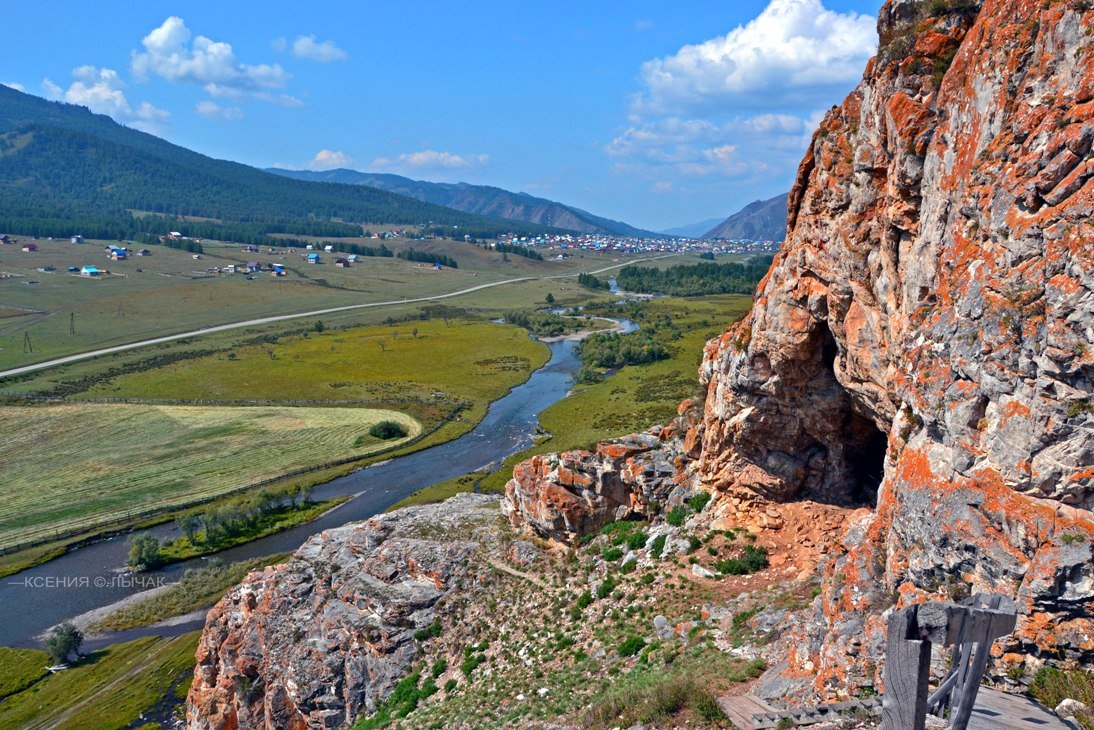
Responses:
[266,320]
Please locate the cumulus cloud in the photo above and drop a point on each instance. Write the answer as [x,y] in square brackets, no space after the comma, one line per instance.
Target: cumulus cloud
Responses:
[170,54]
[430,159]
[101,91]
[738,111]
[329,160]
[212,110]
[13,85]
[307,47]
[795,51]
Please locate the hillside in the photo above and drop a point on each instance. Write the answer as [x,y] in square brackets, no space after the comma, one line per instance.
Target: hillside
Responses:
[762,220]
[693,230]
[64,170]
[477,199]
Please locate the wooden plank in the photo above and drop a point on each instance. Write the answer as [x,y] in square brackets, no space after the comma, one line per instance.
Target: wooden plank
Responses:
[997,710]
[907,668]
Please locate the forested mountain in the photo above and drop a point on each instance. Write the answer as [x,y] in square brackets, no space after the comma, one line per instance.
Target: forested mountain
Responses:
[479,199]
[64,170]
[762,220]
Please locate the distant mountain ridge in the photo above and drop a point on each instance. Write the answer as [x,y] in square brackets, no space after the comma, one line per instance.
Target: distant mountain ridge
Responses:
[65,170]
[478,199]
[762,220]
[692,230]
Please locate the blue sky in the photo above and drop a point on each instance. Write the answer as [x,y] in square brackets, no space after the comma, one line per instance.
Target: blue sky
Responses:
[658,114]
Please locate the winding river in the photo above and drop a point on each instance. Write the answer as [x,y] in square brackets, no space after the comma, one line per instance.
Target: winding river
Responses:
[90,577]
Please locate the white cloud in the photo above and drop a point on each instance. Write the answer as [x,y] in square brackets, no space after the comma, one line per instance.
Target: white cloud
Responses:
[736,113]
[736,147]
[306,47]
[100,90]
[329,160]
[13,85]
[212,110]
[430,159]
[170,54]
[795,51]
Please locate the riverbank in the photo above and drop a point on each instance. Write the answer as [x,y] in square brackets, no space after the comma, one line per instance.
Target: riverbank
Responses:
[37,598]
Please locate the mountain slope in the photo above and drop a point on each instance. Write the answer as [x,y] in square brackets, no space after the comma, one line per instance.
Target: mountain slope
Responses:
[762,220]
[693,230]
[64,169]
[478,199]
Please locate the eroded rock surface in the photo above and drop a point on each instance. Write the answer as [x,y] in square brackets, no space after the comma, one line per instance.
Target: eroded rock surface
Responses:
[321,639]
[923,344]
[925,339]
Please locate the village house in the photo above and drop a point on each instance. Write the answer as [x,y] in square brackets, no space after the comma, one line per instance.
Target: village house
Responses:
[89,271]
[30,247]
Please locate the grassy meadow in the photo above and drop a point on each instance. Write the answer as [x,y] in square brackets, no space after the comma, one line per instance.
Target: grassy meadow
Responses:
[632,399]
[136,684]
[77,466]
[49,314]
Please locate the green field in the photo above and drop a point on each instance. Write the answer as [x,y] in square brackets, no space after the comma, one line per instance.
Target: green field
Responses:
[631,400]
[109,689]
[82,465]
[109,463]
[49,314]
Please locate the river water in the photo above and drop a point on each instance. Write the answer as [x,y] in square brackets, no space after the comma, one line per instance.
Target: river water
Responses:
[91,577]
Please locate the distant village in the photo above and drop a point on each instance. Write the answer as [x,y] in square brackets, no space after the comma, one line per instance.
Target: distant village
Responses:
[632,245]
[555,246]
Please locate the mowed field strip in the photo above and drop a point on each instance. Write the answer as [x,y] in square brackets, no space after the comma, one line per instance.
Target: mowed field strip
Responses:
[107,461]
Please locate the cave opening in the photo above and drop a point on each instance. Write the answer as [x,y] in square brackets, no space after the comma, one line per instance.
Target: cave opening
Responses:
[866,452]
[861,466]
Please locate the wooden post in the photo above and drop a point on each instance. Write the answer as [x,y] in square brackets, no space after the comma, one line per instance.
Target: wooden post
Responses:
[907,669]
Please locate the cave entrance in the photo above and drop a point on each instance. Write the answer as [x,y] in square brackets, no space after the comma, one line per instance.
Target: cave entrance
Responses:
[861,465]
[867,447]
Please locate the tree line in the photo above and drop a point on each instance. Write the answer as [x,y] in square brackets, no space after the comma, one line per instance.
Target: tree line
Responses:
[219,524]
[692,280]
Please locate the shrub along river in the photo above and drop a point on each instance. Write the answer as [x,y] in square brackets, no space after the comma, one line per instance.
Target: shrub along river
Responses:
[91,577]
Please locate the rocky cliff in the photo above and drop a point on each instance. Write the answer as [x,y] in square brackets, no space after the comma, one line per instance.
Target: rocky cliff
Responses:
[923,345]
[922,351]
[323,638]
[925,340]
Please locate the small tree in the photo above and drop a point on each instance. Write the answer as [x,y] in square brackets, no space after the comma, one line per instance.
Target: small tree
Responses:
[144,553]
[63,642]
[550,299]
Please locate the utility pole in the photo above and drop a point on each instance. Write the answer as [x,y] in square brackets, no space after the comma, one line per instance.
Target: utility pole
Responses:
[72,323]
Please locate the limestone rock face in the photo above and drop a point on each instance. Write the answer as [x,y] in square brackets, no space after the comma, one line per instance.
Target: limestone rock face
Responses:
[319,640]
[562,497]
[924,341]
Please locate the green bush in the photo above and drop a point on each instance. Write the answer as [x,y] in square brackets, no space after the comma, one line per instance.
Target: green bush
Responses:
[657,547]
[606,587]
[63,640]
[612,553]
[699,501]
[637,540]
[439,667]
[387,430]
[676,516]
[631,646]
[434,629]
[752,560]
